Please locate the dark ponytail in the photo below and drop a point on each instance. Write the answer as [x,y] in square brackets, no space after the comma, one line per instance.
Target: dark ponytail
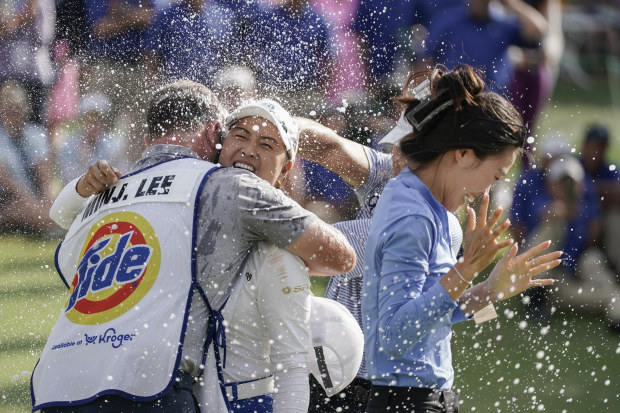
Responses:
[469,116]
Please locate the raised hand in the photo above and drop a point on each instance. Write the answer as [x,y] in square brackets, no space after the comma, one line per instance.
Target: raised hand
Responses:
[99,176]
[481,236]
[514,274]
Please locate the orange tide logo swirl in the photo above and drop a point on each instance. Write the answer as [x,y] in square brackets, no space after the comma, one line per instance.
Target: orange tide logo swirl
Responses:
[117,267]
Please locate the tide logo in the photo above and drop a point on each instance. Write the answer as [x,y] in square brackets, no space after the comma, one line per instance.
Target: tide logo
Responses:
[117,266]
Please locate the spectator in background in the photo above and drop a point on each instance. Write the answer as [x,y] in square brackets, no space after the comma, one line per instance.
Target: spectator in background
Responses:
[233,21]
[481,37]
[536,68]
[348,74]
[25,167]
[116,63]
[63,99]
[527,193]
[380,25]
[426,14]
[587,283]
[194,39]
[531,185]
[293,56]
[182,42]
[606,179]
[64,95]
[554,201]
[26,34]
[93,140]
[71,25]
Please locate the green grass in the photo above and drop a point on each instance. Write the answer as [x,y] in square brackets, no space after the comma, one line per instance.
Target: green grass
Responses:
[572,109]
[513,365]
[31,296]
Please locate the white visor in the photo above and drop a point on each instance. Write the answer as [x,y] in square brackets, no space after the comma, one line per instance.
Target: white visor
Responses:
[402,129]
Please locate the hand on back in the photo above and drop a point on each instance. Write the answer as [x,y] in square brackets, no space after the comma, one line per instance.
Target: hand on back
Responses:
[99,176]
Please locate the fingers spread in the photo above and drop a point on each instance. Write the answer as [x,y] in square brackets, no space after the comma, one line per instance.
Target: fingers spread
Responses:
[471,219]
[494,218]
[542,282]
[534,251]
[501,229]
[504,244]
[482,212]
[545,266]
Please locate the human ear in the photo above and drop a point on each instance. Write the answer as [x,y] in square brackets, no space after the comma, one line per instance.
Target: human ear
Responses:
[465,158]
[213,135]
[285,169]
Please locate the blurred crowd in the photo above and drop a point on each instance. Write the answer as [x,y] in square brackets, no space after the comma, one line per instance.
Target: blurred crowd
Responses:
[76,76]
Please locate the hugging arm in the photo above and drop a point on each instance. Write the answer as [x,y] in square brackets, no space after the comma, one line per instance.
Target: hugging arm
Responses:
[74,196]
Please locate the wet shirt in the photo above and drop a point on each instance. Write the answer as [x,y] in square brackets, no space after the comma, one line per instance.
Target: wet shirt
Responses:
[267,318]
[347,288]
[380,170]
[407,314]
[236,210]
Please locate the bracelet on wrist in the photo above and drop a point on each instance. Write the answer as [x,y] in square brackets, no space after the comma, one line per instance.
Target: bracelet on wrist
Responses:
[460,275]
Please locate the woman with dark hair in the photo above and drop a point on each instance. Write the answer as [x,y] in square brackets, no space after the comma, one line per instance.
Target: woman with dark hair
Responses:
[464,138]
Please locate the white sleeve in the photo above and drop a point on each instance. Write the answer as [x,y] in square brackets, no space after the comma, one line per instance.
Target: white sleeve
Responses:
[67,205]
[284,301]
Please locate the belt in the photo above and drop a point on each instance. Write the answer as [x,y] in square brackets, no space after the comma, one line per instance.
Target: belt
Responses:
[361,390]
[248,389]
[409,397]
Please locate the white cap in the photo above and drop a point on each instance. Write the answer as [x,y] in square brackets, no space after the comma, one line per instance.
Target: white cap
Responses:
[402,129]
[337,344]
[95,102]
[274,113]
[565,167]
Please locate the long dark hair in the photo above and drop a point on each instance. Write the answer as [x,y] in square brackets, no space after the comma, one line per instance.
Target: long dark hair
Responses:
[468,116]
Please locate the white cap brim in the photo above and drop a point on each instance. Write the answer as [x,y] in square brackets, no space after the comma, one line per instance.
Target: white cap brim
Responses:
[339,341]
[402,129]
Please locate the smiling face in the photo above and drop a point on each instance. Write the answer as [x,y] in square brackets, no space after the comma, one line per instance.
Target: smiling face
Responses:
[254,143]
[473,177]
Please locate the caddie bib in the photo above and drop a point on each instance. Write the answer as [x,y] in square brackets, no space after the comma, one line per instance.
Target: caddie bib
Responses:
[128,260]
